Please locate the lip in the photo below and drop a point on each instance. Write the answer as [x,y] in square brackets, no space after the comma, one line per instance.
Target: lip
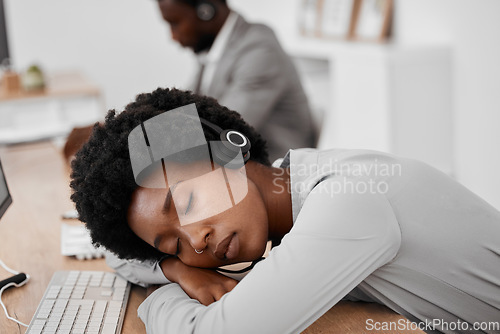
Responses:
[228,248]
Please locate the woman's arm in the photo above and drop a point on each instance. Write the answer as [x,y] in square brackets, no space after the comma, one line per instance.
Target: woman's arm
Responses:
[142,273]
[204,285]
[337,241]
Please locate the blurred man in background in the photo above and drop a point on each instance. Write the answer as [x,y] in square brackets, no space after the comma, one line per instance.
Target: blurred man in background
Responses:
[243,66]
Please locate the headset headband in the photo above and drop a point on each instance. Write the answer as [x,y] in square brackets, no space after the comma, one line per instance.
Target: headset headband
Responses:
[151,142]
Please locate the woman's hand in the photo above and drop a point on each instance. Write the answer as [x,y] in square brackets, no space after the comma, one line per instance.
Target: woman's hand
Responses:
[205,285]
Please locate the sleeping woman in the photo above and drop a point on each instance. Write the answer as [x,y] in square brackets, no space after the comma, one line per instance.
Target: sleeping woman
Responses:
[174,207]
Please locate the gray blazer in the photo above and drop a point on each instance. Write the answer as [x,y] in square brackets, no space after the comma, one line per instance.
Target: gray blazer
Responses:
[256,78]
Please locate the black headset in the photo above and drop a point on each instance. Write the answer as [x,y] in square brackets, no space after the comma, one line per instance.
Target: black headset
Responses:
[205,10]
[231,149]
[230,144]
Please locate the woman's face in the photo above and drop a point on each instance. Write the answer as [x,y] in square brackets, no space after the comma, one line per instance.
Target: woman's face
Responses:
[220,213]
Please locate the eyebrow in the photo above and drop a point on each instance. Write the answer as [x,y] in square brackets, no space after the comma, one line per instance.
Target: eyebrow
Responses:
[168,198]
[157,241]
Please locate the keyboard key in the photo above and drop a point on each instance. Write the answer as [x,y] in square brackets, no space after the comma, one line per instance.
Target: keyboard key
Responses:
[100,306]
[66,326]
[37,327]
[63,331]
[80,325]
[110,320]
[114,304]
[35,331]
[108,329]
[91,327]
[84,314]
[113,314]
[42,315]
[49,330]
[106,293]
[120,282]
[95,283]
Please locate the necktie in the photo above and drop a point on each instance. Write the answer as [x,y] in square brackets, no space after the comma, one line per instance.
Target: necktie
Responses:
[199,78]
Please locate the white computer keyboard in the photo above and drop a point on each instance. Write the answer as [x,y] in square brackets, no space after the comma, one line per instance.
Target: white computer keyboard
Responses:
[86,302]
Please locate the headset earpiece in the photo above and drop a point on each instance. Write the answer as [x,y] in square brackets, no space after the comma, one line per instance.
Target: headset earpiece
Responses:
[205,10]
[225,151]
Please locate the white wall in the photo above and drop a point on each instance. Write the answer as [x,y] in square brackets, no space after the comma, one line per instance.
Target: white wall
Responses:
[473,29]
[281,15]
[123,46]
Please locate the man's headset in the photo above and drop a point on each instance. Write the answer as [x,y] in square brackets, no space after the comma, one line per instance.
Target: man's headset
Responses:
[205,10]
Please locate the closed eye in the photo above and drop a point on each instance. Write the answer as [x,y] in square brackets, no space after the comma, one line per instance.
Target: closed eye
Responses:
[189,203]
[178,249]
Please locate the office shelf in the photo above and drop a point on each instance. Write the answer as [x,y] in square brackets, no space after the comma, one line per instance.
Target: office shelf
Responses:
[387,97]
[68,101]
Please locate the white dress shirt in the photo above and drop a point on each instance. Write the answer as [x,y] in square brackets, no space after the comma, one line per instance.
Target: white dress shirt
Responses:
[211,58]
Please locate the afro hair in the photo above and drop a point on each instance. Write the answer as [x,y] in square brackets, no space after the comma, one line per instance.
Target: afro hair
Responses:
[102,179]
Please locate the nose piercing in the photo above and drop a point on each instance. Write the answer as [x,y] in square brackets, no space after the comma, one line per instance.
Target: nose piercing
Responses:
[197,251]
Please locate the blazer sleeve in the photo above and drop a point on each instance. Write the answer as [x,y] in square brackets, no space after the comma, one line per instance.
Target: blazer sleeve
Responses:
[256,83]
[336,242]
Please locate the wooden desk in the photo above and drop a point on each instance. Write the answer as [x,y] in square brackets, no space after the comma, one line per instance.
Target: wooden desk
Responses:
[30,232]
[30,242]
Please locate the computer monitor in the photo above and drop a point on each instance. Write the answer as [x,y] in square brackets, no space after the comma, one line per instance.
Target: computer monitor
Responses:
[5,198]
[19,279]
[4,41]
